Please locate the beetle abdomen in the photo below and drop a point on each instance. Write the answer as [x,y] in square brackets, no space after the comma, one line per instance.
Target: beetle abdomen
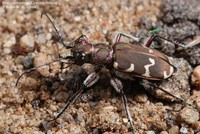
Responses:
[141,61]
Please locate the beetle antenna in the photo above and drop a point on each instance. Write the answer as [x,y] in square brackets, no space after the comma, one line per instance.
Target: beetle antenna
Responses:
[34,68]
[59,36]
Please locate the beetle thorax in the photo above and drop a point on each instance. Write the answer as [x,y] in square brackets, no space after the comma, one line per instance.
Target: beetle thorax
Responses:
[102,54]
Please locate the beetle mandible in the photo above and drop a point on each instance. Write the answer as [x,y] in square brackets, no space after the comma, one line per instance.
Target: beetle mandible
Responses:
[134,60]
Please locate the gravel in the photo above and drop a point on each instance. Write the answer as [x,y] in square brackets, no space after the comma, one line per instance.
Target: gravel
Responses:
[195,78]
[27,40]
[190,116]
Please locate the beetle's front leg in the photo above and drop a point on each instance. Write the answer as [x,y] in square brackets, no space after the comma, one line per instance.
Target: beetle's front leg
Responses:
[118,37]
[117,85]
[91,79]
[88,82]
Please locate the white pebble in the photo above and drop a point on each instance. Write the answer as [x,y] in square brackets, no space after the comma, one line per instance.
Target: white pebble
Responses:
[41,38]
[184,130]
[10,42]
[27,41]
[7,50]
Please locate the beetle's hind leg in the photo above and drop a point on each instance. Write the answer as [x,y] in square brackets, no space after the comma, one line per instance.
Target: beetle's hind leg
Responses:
[148,85]
[117,84]
[119,35]
[155,37]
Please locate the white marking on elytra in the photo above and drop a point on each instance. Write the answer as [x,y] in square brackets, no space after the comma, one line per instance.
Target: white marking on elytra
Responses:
[147,72]
[171,70]
[130,69]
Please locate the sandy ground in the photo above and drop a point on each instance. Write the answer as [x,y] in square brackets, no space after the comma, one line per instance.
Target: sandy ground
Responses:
[27,40]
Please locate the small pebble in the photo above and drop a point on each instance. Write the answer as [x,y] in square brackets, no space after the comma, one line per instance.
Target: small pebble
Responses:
[28,106]
[141,98]
[79,118]
[69,118]
[9,121]
[2,10]
[7,50]
[184,130]
[150,132]
[61,96]
[196,125]
[196,96]
[53,108]
[36,103]
[10,42]
[19,59]
[174,130]
[196,77]
[189,115]
[75,129]
[107,115]
[27,41]
[108,108]
[125,120]
[48,36]
[41,39]
[27,61]
[77,18]
[40,59]
[164,132]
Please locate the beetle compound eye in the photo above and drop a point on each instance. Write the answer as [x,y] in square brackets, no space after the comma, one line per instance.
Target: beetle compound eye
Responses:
[79,55]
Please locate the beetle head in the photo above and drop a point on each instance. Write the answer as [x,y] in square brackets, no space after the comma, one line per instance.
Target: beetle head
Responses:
[81,50]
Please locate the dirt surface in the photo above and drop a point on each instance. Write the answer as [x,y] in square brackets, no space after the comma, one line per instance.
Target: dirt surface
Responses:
[27,40]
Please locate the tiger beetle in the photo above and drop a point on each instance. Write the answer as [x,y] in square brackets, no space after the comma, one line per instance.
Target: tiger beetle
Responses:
[134,60]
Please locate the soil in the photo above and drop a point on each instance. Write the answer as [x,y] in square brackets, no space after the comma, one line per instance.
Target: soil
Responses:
[27,40]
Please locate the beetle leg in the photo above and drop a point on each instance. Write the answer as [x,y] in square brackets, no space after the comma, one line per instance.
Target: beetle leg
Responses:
[192,43]
[91,80]
[117,84]
[177,44]
[149,85]
[88,82]
[62,63]
[180,100]
[148,44]
[155,36]
[82,37]
[118,37]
